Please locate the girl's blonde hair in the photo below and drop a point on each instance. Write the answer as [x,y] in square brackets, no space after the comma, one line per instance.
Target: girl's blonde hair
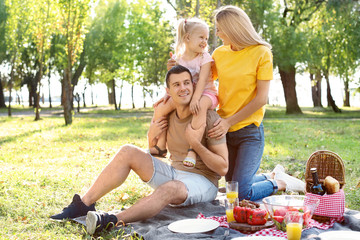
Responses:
[186,27]
[237,26]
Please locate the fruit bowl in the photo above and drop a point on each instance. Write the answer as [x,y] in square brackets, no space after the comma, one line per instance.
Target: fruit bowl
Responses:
[277,207]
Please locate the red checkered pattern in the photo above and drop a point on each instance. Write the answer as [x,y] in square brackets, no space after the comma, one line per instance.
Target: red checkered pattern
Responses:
[332,205]
[272,232]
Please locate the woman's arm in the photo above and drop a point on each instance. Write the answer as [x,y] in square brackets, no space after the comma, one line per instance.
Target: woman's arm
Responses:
[222,125]
[205,71]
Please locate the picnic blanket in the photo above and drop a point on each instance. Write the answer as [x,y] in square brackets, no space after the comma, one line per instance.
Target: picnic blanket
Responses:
[157,227]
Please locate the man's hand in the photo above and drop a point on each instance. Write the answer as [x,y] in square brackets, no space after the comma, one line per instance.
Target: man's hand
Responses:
[193,136]
[155,129]
[221,127]
[171,62]
[164,99]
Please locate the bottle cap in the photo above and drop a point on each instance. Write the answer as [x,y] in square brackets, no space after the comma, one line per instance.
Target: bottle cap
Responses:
[313,169]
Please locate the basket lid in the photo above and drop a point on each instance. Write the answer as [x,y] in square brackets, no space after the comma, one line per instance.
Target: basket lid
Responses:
[327,163]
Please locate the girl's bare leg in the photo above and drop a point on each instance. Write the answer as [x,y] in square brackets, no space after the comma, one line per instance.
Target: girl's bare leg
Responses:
[196,122]
[160,111]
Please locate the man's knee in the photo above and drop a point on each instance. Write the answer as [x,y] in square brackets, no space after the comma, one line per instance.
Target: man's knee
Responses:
[174,191]
[127,152]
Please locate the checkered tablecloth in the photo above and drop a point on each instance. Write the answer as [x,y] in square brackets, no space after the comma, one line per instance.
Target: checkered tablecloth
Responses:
[273,232]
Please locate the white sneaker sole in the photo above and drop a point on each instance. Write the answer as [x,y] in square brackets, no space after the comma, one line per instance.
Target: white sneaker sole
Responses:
[91,220]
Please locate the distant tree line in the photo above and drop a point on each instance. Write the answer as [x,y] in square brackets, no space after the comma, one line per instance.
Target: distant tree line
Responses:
[117,41]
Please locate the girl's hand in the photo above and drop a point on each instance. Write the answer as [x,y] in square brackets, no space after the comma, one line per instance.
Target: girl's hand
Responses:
[195,106]
[164,99]
[221,127]
[156,128]
[171,62]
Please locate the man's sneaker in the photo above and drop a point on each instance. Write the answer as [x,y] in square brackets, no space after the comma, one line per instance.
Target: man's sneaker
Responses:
[292,184]
[76,209]
[97,221]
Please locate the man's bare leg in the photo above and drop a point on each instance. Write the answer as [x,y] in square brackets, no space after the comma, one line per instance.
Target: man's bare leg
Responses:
[173,192]
[115,173]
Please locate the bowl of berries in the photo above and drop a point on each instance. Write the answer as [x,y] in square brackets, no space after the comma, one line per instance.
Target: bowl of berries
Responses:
[279,205]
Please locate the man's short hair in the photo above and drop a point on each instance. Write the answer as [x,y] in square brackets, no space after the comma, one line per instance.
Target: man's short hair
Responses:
[177,69]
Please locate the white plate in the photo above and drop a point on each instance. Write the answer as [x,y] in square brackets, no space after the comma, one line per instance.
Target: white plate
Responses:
[343,235]
[259,238]
[193,225]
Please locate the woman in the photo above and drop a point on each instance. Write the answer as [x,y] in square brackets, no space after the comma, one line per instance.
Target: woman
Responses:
[244,69]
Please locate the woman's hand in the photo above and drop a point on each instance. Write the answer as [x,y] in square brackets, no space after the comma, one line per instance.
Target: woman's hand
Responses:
[221,127]
[171,62]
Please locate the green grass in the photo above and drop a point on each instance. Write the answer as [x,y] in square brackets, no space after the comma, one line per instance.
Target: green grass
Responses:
[43,163]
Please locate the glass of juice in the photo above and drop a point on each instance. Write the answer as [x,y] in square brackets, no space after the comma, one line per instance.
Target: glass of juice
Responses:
[294,223]
[229,206]
[232,191]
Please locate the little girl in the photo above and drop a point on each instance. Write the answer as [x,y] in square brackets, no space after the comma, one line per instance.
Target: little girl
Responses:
[191,52]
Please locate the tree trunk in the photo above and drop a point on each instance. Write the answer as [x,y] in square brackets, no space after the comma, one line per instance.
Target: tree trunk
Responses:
[316,89]
[50,105]
[144,96]
[114,93]
[83,95]
[132,96]
[347,93]
[92,96]
[37,103]
[2,97]
[288,82]
[121,88]
[67,96]
[197,13]
[214,40]
[330,99]
[9,105]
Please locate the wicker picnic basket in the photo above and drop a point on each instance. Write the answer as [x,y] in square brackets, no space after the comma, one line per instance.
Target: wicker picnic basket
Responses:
[328,164]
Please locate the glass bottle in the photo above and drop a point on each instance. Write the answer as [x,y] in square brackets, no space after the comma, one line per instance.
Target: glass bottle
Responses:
[316,188]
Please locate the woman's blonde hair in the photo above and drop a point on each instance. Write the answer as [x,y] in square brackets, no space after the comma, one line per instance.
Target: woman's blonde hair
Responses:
[186,27]
[237,26]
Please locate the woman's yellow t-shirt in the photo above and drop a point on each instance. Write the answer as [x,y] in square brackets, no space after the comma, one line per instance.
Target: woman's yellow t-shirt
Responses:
[238,72]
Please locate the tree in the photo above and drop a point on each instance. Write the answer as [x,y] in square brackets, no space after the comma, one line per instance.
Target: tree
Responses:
[288,40]
[3,55]
[43,27]
[74,14]
[343,24]
[105,44]
[17,34]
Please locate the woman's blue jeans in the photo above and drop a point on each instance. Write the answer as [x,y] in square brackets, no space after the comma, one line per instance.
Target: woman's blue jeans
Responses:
[246,147]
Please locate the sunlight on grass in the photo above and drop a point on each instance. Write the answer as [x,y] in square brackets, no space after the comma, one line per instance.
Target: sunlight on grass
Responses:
[44,163]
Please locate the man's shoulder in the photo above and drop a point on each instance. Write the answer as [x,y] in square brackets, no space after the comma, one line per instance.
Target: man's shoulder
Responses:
[211,117]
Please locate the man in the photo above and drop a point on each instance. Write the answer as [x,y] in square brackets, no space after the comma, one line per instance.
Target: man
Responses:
[173,184]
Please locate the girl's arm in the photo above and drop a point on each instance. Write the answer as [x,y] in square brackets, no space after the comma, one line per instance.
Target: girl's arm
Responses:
[155,129]
[222,125]
[205,71]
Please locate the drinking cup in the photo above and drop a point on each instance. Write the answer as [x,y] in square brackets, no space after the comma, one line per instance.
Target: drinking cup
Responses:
[229,206]
[294,223]
[232,191]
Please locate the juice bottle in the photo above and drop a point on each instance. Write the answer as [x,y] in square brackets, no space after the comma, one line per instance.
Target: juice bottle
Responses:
[293,231]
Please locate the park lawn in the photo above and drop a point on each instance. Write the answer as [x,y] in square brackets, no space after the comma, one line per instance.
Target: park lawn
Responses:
[43,163]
